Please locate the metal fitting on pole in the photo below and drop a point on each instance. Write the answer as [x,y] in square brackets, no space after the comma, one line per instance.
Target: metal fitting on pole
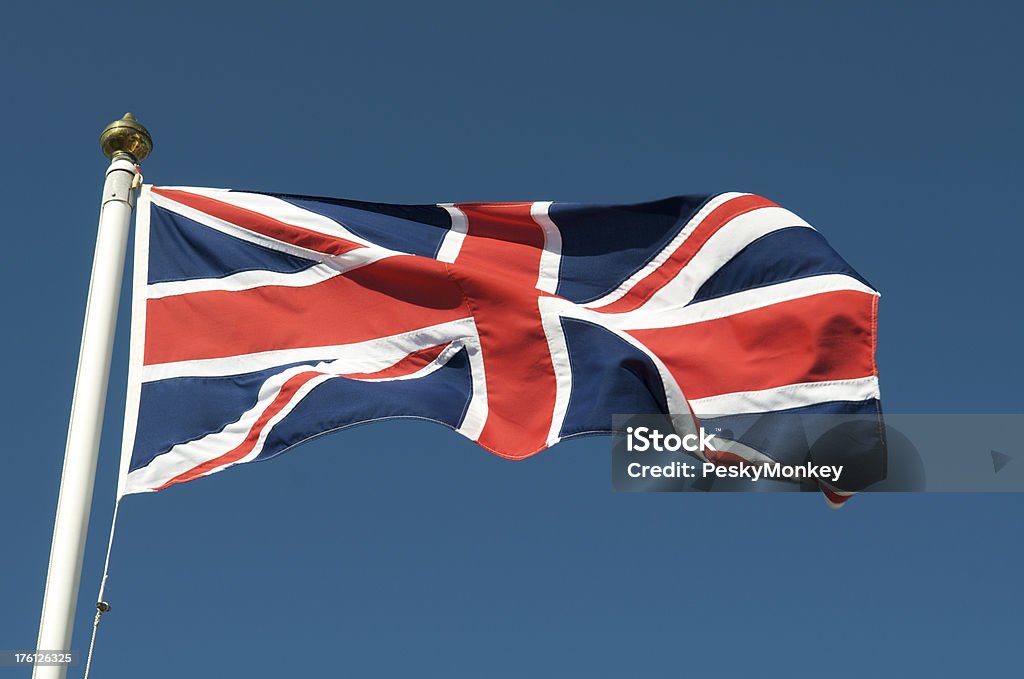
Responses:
[126,137]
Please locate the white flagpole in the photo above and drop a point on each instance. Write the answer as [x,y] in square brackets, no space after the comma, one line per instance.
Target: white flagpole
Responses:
[126,143]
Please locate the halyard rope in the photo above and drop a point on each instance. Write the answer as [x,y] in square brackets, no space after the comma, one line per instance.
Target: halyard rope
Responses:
[101,605]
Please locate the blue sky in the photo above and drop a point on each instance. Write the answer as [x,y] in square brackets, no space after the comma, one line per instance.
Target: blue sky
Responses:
[400,548]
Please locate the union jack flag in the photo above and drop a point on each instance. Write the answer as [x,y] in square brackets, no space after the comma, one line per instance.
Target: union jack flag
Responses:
[262,320]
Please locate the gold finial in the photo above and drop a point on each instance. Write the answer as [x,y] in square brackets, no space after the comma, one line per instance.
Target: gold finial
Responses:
[126,136]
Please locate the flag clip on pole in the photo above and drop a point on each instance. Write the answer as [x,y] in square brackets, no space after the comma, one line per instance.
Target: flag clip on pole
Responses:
[126,143]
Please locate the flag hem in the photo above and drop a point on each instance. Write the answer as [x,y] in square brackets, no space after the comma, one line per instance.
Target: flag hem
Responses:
[136,347]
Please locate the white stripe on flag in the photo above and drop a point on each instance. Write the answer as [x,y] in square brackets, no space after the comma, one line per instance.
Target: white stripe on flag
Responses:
[551,255]
[476,412]
[736,303]
[452,243]
[552,323]
[248,280]
[788,396]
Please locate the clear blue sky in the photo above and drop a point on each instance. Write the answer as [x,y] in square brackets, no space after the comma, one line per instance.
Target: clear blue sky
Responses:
[400,549]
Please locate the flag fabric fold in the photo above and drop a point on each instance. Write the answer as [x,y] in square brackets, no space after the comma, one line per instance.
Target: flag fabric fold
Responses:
[262,320]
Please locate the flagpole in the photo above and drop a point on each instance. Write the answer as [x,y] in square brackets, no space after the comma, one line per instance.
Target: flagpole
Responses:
[126,143]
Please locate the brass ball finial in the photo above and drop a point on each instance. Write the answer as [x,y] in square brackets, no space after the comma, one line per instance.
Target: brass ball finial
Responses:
[126,136]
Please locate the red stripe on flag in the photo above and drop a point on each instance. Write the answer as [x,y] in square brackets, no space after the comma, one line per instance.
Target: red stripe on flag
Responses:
[657,279]
[497,268]
[834,498]
[822,337]
[395,295]
[262,224]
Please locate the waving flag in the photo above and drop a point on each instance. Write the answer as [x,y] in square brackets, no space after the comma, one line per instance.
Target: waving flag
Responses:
[263,320]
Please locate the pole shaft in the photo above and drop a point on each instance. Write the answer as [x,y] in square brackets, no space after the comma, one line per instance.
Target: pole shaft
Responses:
[82,450]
